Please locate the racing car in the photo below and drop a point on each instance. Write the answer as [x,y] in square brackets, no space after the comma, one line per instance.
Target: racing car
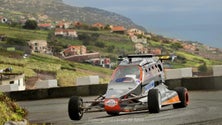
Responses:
[136,84]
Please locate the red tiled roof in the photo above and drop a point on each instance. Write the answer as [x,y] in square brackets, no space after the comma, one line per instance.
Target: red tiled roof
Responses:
[59,30]
[45,25]
[118,28]
[98,25]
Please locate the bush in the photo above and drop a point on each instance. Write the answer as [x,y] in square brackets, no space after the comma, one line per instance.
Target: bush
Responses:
[30,24]
[100,44]
[84,37]
[203,67]
[10,111]
[16,41]
[176,46]
[111,48]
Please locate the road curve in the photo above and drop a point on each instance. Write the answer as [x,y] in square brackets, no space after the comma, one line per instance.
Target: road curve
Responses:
[204,108]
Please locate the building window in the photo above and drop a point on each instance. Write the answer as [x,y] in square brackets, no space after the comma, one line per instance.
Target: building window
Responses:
[11,82]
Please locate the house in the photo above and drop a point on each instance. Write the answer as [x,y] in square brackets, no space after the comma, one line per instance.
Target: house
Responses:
[83,58]
[63,25]
[77,24]
[189,47]
[11,81]
[39,46]
[66,32]
[103,62]
[47,26]
[74,50]
[135,31]
[135,39]
[60,25]
[43,17]
[79,54]
[59,32]
[156,51]
[98,25]
[71,33]
[118,29]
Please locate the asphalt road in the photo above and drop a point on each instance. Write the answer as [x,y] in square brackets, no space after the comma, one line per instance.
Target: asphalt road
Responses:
[205,108]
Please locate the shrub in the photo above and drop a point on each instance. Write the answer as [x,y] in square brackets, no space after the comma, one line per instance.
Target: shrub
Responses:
[10,111]
[30,24]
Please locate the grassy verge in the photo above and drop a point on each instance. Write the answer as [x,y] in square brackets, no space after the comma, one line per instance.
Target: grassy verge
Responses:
[10,111]
[23,33]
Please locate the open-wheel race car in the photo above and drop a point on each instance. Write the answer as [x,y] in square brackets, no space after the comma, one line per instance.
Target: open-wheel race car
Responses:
[136,84]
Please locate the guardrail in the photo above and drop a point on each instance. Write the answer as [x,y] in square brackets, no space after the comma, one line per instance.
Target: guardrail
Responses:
[200,83]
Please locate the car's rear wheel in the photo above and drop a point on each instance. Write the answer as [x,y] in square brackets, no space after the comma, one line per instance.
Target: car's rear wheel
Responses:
[183,96]
[75,108]
[112,113]
[154,101]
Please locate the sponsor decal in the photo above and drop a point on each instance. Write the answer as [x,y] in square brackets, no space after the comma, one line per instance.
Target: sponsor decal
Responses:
[111,103]
[125,79]
[149,86]
[138,81]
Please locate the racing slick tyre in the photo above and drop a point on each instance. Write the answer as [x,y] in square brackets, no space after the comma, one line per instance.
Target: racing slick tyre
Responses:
[154,101]
[75,109]
[112,113]
[183,96]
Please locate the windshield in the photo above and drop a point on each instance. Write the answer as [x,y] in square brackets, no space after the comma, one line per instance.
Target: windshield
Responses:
[132,71]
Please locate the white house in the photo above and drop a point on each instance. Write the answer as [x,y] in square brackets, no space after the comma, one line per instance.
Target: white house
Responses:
[11,82]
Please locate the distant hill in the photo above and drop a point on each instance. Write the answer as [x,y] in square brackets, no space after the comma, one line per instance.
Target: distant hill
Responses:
[57,10]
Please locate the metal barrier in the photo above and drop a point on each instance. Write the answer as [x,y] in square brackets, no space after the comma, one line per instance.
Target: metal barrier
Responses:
[198,83]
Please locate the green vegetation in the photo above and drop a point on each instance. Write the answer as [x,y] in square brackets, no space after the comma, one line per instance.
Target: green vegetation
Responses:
[31,24]
[24,34]
[10,111]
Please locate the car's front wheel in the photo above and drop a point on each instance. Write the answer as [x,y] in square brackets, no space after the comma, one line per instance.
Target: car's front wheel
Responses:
[154,101]
[75,108]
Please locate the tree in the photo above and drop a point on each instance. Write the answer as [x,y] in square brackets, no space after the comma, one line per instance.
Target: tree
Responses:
[100,44]
[203,67]
[85,42]
[107,27]
[176,46]
[30,24]
[111,48]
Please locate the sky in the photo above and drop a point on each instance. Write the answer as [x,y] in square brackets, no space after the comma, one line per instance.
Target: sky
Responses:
[195,20]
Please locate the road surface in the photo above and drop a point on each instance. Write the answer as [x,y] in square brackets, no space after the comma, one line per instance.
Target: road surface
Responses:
[205,108]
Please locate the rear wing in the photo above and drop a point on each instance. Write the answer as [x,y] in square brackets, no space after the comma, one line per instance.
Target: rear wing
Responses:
[160,57]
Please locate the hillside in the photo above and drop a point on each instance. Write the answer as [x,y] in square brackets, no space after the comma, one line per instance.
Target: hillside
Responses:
[54,10]
[40,66]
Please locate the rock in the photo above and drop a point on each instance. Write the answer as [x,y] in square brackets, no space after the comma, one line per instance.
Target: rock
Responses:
[24,122]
